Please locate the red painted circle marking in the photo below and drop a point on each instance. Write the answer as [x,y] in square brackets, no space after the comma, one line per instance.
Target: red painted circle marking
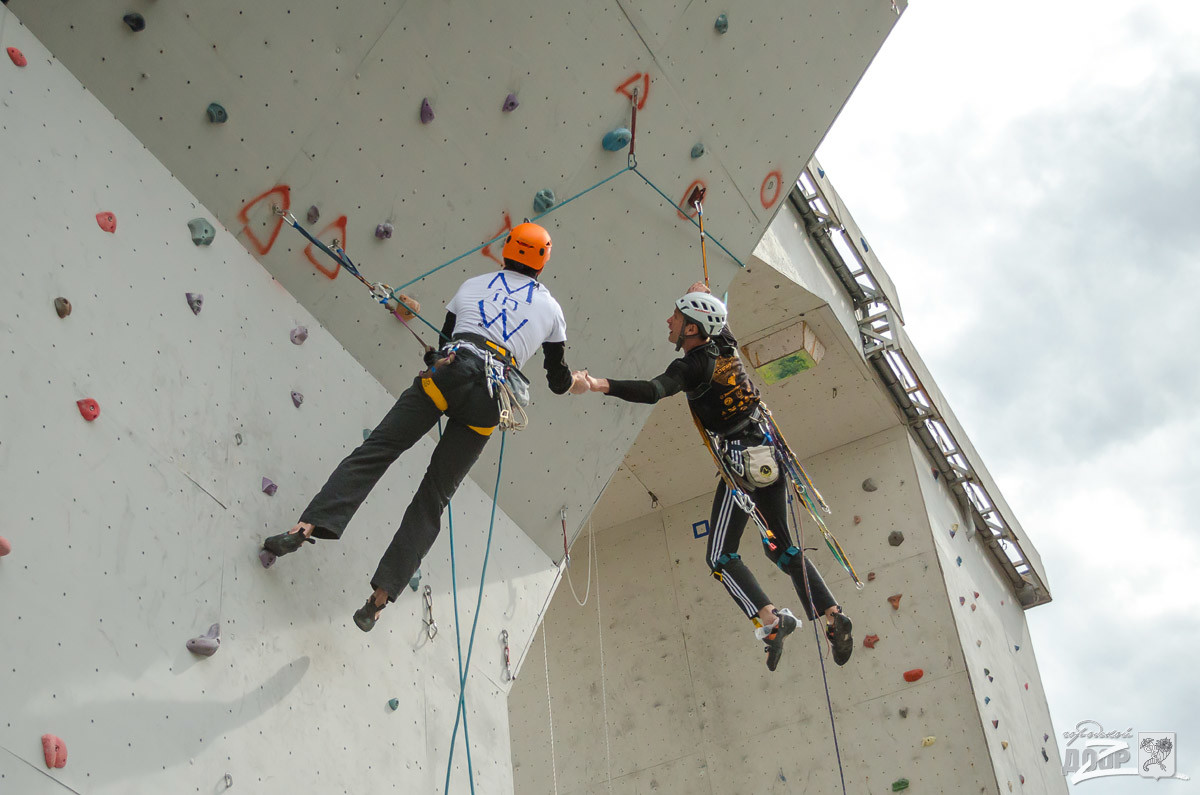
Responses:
[762,191]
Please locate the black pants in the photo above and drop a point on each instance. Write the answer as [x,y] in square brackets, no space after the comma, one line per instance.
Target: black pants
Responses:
[458,390]
[725,533]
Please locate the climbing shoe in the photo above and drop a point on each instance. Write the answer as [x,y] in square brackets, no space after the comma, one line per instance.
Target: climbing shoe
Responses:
[286,543]
[366,616]
[772,636]
[839,637]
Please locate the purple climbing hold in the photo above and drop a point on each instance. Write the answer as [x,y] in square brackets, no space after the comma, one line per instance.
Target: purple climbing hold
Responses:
[510,103]
[207,644]
[297,398]
[1045,738]
[299,335]
[269,488]
[962,600]
[1016,647]
[314,214]
[384,231]
[426,112]
[195,301]
[266,558]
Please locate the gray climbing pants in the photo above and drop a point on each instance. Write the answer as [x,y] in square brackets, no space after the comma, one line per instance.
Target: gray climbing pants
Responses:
[458,390]
[725,534]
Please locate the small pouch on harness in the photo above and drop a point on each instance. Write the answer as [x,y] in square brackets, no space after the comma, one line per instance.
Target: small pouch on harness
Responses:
[518,384]
[755,465]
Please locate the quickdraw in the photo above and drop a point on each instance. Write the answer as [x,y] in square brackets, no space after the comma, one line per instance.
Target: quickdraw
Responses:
[508,676]
[431,628]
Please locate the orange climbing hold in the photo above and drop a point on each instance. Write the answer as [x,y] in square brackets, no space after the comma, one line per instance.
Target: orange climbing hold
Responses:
[913,675]
[55,751]
[870,640]
[107,222]
[89,408]
[17,56]
[894,600]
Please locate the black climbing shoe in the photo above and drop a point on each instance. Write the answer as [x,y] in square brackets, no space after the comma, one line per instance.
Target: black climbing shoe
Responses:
[840,638]
[773,638]
[364,616]
[286,543]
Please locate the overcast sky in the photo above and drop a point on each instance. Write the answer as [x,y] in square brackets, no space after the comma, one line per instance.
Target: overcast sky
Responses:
[1029,174]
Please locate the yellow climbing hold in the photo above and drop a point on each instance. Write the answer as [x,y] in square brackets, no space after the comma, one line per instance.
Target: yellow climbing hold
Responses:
[928,741]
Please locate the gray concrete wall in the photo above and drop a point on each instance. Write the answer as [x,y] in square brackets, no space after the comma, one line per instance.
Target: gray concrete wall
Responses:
[134,533]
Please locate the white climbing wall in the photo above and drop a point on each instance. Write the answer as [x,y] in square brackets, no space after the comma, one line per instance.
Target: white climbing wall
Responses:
[685,703]
[135,532]
[323,105]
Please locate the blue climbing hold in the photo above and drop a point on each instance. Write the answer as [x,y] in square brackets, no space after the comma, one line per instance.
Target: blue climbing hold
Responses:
[722,24]
[135,21]
[987,699]
[697,151]
[202,231]
[544,200]
[958,560]
[415,581]
[616,140]
[863,240]
[217,114]
[366,434]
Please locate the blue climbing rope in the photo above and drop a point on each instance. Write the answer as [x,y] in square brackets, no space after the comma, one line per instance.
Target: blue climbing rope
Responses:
[812,610]
[465,668]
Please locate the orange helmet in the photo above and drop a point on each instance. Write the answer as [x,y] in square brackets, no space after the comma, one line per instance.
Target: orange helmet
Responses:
[528,244]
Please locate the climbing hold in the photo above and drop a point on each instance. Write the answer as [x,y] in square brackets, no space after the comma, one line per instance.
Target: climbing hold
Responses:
[870,640]
[414,582]
[895,538]
[976,594]
[899,784]
[202,231]
[314,214]
[858,520]
[366,434]
[543,201]
[216,113]
[299,335]
[269,488]
[384,231]
[267,559]
[237,437]
[870,576]
[62,306]
[195,301]
[55,751]
[394,703]
[986,672]
[958,560]
[722,24]
[17,56]
[1016,647]
[5,546]
[904,712]
[297,398]
[987,700]
[207,644]
[228,781]
[953,530]
[1045,738]
[1004,744]
[991,679]
[510,103]
[426,112]
[697,150]
[863,240]
[894,600]
[1022,778]
[135,21]
[962,600]
[972,607]
[107,222]
[616,140]
[1026,685]
[979,643]
[1045,756]
[913,675]
[869,485]
[89,408]
[928,741]
[936,473]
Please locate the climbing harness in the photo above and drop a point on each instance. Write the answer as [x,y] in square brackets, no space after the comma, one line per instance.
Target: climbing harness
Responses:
[431,628]
[740,497]
[508,676]
[505,383]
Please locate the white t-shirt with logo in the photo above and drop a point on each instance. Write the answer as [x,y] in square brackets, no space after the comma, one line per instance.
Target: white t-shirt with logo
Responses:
[510,309]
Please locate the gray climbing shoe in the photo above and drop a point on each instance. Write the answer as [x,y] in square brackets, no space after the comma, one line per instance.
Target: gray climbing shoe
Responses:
[839,634]
[772,637]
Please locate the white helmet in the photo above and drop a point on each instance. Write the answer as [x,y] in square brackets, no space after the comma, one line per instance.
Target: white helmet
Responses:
[705,310]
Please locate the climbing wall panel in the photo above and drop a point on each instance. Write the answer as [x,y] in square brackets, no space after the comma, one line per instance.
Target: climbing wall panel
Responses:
[136,531]
[324,110]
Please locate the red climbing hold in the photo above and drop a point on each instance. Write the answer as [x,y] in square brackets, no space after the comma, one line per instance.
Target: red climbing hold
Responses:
[976,594]
[5,546]
[870,576]
[107,221]
[913,675]
[1026,684]
[870,640]
[996,724]
[55,750]
[89,408]
[894,600]
[17,56]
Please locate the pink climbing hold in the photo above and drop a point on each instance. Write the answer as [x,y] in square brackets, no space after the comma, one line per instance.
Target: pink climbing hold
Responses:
[426,112]
[1026,685]
[913,675]
[195,301]
[207,644]
[297,398]
[5,546]
[107,222]
[17,56]
[55,751]
[299,335]
[89,408]
[996,724]
[870,640]
[269,488]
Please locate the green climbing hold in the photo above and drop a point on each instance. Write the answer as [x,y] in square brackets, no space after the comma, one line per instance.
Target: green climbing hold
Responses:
[722,24]
[202,231]
[366,434]
[899,784]
[697,151]
[394,704]
[544,200]
[217,114]
[415,581]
